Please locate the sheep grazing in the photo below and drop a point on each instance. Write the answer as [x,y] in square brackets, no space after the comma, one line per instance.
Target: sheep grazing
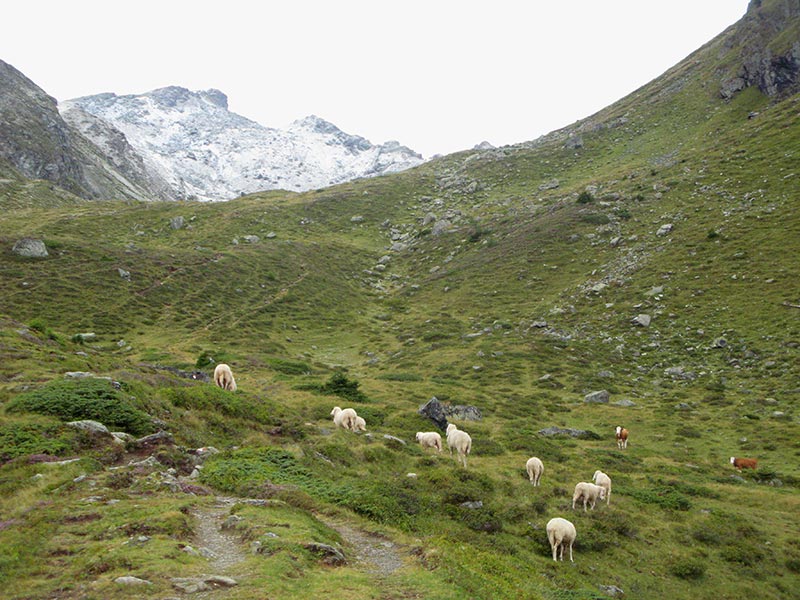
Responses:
[345,418]
[589,493]
[622,437]
[561,532]
[604,481]
[535,468]
[429,439]
[361,424]
[744,463]
[223,377]
[459,440]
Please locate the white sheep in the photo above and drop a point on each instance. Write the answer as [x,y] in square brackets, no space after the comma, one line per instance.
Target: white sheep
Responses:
[345,418]
[604,481]
[535,468]
[459,440]
[561,532]
[589,493]
[223,377]
[429,439]
[361,424]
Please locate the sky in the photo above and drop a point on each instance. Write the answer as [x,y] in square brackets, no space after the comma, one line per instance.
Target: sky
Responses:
[438,76]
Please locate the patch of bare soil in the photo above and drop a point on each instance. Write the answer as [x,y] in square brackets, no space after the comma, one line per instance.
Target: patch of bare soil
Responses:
[376,553]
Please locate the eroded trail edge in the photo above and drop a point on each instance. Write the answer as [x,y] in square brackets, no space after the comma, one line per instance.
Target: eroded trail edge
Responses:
[376,553]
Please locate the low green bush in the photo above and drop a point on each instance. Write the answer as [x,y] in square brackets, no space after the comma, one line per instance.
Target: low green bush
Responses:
[400,377]
[596,219]
[454,486]
[373,415]
[477,519]
[385,504]
[214,399]
[665,497]
[688,568]
[793,564]
[288,367]
[21,439]
[697,491]
[87,398]
[621,462]
[248,470]
[340,385]
[338,453]
[232,473]
[743,553]
[206,359]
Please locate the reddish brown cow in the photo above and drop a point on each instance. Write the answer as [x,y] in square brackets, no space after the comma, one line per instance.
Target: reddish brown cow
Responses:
[744,463]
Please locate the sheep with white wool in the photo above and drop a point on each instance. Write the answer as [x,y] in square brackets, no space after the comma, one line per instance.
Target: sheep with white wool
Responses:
[460,441]
[535,468]
[561,532]
[223,377]
[345,418]
[361,424]
[604,481]
[429,439]
[589,493]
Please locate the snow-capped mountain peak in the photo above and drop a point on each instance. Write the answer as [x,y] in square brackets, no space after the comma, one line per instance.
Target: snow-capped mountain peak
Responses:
[204,151]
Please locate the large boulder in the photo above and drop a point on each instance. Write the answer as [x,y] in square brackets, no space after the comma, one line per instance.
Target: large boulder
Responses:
[30,248]
[90,427]
[576,433]
[599,397]
[434,410]
[463,413]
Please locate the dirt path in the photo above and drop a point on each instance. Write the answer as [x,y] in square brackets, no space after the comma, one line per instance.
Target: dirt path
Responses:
[364,550]
[375,553]
[226,548]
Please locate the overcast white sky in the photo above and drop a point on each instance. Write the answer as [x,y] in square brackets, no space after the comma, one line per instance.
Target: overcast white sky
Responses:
[436,75]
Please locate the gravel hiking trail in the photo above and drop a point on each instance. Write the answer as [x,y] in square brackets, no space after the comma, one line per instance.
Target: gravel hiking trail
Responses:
[226,548]
[372,552]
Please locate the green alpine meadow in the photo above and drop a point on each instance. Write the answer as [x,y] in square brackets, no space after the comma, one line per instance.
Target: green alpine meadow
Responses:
[639,268]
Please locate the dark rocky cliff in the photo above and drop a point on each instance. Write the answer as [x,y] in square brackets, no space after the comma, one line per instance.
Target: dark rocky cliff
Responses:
[766,47]
[33,137]
[39,144]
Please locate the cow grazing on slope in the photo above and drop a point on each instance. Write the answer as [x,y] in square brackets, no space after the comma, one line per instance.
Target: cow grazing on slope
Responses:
[744,463]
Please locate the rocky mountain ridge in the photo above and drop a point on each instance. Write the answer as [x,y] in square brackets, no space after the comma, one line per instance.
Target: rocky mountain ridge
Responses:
[38,143]
[192,141]
[174,144]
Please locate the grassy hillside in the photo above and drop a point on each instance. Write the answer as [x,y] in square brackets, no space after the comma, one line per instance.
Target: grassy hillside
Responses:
[507,279]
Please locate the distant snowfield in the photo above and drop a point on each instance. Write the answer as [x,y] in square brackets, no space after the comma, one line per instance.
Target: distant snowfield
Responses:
[205,152]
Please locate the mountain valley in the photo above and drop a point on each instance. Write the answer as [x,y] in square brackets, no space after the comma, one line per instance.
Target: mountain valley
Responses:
[637,268]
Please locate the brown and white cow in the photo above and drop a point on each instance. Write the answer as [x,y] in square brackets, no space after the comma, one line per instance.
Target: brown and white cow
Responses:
[622,437]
